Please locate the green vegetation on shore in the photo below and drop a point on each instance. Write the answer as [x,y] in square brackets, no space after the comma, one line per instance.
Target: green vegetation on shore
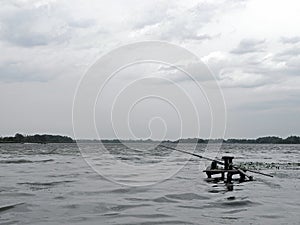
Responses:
[44,138]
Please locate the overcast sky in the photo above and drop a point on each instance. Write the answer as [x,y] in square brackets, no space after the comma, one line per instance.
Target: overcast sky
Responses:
[251,46]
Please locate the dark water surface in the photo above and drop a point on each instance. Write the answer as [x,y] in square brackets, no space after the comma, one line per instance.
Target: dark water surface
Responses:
[52,184]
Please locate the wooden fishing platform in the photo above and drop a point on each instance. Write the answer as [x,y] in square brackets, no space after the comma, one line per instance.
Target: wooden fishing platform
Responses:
[228,169]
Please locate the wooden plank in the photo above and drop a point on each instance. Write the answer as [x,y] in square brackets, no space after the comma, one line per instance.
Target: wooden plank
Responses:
[221,171]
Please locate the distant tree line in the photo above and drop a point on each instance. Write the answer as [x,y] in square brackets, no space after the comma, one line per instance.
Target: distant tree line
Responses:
[267,140]
[115,141]
[260,140]
[45,138]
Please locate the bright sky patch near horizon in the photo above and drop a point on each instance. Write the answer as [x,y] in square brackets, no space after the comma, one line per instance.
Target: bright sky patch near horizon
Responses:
[251,46]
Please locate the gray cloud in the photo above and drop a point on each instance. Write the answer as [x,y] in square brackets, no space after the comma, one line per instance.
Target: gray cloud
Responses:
[282,102]
[47,44]
[249,46]
[33,26]
[84,23]
[55,28]
[186,71]
[29,26]
[13,73]
[183,23]
[292,52]
[262,67]
[202,37]
[290,59]
[152,15]
[254,70]
[20,71]
[237,78]
[290,40]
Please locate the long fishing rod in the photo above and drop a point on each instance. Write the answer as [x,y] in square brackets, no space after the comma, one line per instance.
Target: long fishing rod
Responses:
[193,154]
[214,160]
[254,171]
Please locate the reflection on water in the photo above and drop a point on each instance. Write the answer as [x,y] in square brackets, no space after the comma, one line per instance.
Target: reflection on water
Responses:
[52,184]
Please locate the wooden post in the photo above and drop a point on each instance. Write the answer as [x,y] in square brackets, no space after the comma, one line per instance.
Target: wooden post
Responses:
[222,175]
[227,162]
[213,165]
[208,174]
[229,177]
[242,177]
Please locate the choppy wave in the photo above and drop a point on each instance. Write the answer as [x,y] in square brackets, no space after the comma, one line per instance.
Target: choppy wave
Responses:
[18,161]
[271,165]
[8,207]
[56,186]
[52,183]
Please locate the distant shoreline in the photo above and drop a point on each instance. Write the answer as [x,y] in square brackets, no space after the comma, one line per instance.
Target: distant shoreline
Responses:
[37,138]
[46,138]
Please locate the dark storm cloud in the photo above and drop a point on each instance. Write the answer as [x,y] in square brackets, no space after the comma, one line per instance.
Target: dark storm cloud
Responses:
[249,46]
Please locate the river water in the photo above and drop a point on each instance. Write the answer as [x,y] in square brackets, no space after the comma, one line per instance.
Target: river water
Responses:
[54,184]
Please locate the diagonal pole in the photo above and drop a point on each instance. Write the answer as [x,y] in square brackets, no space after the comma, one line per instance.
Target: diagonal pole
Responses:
[214,160]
